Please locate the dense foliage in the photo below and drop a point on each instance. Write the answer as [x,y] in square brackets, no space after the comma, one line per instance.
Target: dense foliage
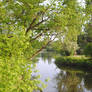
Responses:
[26,28]
[85,39]
[79,62]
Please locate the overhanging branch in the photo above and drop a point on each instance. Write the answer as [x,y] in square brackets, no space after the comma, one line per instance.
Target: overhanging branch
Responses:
[40,34]
[31,26]
[43,47]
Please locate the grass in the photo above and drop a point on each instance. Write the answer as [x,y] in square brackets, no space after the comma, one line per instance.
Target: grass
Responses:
[76,62]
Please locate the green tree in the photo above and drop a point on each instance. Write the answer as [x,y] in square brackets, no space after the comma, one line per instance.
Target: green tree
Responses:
[85,39]
[88,49]
[26,28]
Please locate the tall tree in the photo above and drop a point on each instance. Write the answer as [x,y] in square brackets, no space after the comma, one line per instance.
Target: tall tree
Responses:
[85,40]
[26,28]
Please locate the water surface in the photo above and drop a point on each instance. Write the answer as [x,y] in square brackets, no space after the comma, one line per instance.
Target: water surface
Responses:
[62,80]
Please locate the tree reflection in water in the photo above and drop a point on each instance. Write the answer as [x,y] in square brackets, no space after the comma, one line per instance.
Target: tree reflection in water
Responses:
[88,81]
[72,81]
[47,56]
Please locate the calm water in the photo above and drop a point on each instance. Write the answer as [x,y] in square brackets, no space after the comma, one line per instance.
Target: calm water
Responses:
[62,80]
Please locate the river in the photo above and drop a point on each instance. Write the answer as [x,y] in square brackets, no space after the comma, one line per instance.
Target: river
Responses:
[62,80]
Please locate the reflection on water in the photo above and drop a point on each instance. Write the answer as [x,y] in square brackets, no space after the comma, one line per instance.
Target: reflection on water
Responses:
[69,81]
[62,80]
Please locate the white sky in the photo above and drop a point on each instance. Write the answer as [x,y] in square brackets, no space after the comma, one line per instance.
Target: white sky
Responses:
[82,2]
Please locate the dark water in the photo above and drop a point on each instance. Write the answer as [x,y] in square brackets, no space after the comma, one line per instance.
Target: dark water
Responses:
[62,80]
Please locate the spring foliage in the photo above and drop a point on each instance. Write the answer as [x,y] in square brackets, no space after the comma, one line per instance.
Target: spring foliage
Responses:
[25,27]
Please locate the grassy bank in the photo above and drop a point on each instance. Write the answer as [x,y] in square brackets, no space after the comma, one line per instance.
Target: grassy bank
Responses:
[76,62]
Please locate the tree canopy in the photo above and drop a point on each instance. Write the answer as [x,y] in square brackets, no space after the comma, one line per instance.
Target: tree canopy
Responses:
[26,28]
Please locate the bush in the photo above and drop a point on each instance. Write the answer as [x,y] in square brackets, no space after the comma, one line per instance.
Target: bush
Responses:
[74,62]
[15,68]
[88,49]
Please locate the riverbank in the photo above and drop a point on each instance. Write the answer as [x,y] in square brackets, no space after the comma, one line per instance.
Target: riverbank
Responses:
[76,62]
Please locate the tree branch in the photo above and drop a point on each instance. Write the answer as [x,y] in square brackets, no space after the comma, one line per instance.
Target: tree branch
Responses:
[43,47]
[37,52]
[36,37]
[31,25]
[40,34]
[40,22]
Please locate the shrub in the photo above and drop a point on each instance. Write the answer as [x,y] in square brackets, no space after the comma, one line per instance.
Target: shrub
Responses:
[74,62]
[15,68]
[88,49]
